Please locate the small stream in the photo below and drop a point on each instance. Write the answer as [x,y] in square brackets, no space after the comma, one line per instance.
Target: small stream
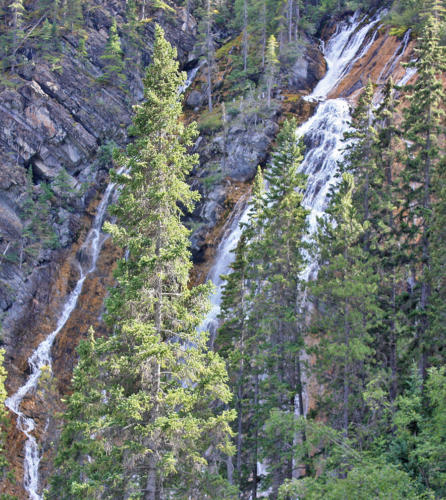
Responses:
[41,357]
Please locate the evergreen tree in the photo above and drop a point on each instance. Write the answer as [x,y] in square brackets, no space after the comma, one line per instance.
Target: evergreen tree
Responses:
[281,257]
[154,427]
[385,235]
[271,66]
[360,159]
[17,10]
[3,419]
[112,57]
[423,127]
[237,336]
[345,293]
[267,336]
[206,40]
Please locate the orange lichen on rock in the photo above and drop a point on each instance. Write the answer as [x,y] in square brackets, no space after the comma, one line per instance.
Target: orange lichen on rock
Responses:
[375,65]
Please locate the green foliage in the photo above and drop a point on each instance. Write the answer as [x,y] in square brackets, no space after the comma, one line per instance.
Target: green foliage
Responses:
[113,71]
[106,152]
[210,122]
[260,318]
[3,416]
[148,410]
[363,482]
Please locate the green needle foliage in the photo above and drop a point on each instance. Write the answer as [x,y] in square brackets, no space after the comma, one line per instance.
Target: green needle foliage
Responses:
[147,418]
[113,58]
[261,317]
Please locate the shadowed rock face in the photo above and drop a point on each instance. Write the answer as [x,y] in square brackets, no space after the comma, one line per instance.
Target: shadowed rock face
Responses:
[54,119]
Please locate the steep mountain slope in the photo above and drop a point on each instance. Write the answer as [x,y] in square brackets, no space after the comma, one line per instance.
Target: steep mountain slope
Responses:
[62,117]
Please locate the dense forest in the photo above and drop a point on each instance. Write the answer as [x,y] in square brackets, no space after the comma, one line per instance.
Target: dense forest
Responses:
[326,378]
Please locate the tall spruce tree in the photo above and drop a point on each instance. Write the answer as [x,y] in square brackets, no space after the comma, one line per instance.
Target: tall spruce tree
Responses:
[238,339]
[346,313]
[146,419]
[423,127]
[281,257]
[271,391]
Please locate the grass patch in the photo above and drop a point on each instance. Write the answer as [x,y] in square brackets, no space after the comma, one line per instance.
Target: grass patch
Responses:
[210,122]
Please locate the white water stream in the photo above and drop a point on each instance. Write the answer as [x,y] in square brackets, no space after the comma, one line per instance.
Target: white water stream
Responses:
[322,133]
[41,357]
[343,49]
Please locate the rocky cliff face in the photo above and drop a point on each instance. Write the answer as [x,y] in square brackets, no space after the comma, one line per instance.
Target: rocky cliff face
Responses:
[59,118]
[56,121]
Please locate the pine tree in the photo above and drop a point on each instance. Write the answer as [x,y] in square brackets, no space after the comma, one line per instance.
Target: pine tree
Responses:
[360,159]
[17,10]
[282,257]
[208,46]
[267,336]
[237,336]
[112,57]
[347,312]
[271,66]
[72,14]
[423,126]
[157,392]
[3,418]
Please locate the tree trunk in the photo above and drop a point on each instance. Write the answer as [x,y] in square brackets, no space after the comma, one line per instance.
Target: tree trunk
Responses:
[256,438]
[245,35]
[296,24]
[209,51]
[263,32]
[290,20]
[425,266]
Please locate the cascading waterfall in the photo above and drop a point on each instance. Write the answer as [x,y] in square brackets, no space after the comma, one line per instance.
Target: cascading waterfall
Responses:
[323,136]
[223,260]
[41,357]
[343,49]
[322,133]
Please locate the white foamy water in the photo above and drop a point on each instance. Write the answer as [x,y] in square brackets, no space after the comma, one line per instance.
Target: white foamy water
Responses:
[41,357]
[191,77]
[224,257]
[343,49]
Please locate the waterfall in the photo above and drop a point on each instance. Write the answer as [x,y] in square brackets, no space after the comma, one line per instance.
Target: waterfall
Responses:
[191,74]
[397,55]
[343,49]
[41,357]
[322,134]
[223,260]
